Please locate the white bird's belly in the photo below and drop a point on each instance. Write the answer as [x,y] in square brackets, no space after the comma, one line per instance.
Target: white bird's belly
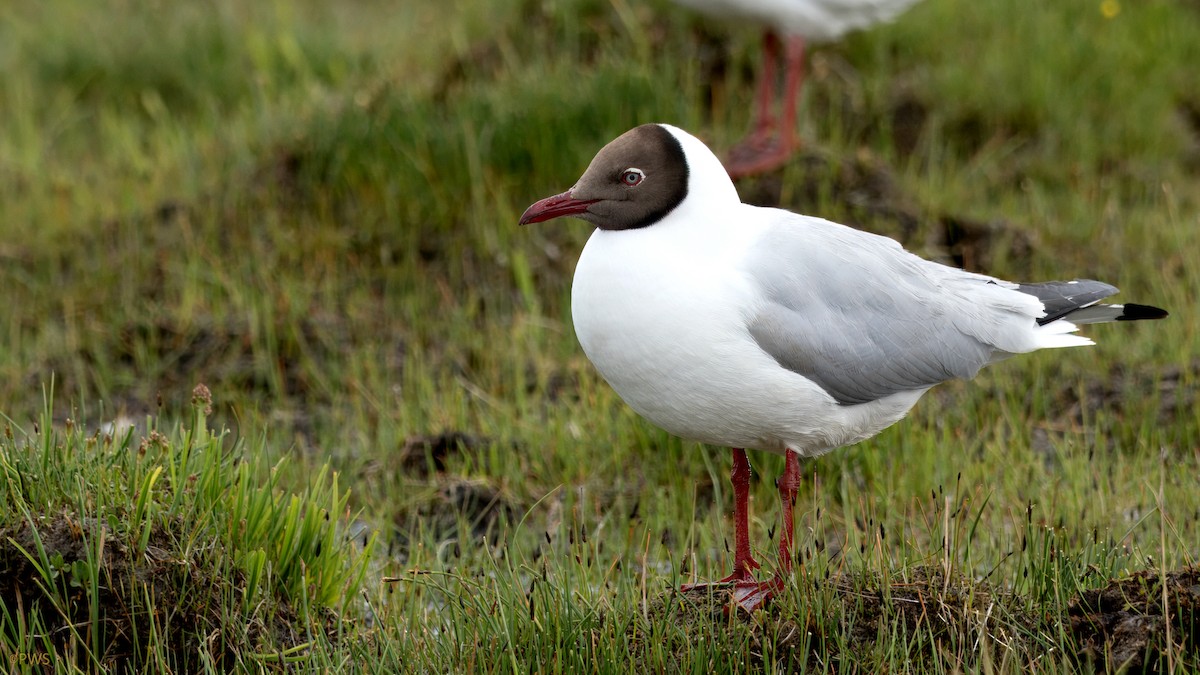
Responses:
[818,20]
[668,333]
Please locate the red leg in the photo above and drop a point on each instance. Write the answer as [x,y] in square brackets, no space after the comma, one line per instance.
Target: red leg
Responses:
[744,563]
[789,486]
[751,596]
[764,125]
[791,93]
[771,143]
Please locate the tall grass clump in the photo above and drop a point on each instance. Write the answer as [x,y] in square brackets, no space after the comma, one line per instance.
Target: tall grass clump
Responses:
[168,552]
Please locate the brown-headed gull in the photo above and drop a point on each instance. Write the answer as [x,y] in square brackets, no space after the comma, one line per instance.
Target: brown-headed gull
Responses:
[751,327]
[773,140]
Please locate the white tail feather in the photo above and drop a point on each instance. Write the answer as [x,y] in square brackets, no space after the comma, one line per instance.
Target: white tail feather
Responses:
[1059,334]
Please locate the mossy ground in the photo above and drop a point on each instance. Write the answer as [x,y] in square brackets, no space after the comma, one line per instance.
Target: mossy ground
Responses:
[312,209]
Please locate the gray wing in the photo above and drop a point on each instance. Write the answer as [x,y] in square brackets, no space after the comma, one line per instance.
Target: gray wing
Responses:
[863,318]
[1064,297]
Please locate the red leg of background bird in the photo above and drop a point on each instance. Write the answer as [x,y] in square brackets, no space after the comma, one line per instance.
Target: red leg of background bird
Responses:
[744,563]
[765,149]
[764,123]
[751,596]
[794,79]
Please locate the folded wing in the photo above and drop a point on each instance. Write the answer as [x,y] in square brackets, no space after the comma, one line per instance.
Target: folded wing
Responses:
[864,319]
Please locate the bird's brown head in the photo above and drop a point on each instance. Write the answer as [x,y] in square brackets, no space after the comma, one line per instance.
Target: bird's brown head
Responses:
[633,182]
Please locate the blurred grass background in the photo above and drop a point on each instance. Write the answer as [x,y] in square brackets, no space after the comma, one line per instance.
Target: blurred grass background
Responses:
[312,208]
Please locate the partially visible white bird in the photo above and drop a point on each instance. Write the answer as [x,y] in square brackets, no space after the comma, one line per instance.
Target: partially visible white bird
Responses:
[773,140]
[751,327]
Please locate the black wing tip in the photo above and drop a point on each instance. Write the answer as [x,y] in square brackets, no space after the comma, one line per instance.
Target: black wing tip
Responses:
[1141,312]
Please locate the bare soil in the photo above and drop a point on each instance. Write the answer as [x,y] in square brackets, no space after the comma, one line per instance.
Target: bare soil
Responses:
[1140,624]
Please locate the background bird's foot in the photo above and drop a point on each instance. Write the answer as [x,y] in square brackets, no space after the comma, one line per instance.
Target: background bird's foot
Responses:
[757,154]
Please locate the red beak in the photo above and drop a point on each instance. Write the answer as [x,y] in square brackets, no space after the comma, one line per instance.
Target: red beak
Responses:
[554,207]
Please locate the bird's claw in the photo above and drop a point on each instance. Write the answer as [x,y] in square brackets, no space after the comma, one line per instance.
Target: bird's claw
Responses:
[751,596]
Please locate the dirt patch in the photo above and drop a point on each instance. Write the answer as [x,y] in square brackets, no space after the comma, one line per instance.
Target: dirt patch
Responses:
[1140,624]
[1189,119]
[186,605]
[479,501]
[547,23]
[1189,109]
[875,202]
[459,507]
[909,115]
[976,245]
[427,454]
[1174,388]
[933,617]
[441,504]
[180,603]
[169,355]
[561,385]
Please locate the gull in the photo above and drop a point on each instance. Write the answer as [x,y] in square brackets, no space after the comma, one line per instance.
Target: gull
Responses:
[749,327]
[773,140]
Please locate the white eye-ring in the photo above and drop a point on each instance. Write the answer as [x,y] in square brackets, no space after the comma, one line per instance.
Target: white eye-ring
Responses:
[631,176]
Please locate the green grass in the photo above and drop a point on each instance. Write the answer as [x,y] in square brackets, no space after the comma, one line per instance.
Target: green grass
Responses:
[312,210]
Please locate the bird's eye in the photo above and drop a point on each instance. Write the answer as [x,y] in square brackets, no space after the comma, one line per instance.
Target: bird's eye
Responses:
[632,177]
